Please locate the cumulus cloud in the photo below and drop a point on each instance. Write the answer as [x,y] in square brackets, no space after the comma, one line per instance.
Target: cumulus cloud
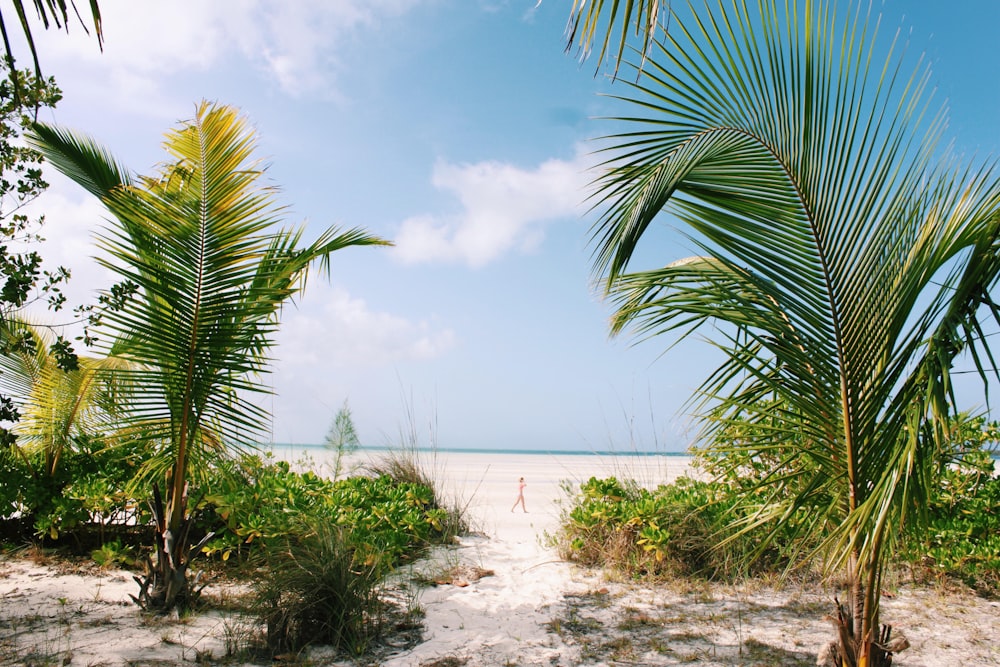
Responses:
[296,44]
[345,332]
[504,209]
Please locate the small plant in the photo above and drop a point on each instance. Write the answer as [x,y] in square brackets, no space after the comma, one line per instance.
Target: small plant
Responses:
[112,554]
[342,438]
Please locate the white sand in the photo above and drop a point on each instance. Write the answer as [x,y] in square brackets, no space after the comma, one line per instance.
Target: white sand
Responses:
[534,610]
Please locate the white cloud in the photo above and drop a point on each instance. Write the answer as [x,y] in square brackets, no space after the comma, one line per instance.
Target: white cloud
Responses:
[504,209]
[294,43]
[344,332]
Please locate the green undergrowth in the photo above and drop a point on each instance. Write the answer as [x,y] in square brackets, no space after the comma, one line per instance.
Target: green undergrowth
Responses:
[962,537]
[675,530]
[689,528]
[386,521]
[321,550]
[316,552]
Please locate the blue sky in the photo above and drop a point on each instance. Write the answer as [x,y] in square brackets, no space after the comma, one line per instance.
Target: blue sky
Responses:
[459,129]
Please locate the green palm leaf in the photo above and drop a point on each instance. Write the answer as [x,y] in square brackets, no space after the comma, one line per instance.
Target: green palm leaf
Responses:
[588,17]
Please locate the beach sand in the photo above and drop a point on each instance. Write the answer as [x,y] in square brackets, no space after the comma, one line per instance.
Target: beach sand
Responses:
[533,609]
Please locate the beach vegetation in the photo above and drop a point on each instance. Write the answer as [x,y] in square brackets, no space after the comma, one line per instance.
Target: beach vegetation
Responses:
[844,263]
[112,554]
[318,591]
[61,411]
[85,501]
[961,539]
[318,552]
[254,500]
[320,549]
[671,531]
[204,271]
[23,280]
[692,527]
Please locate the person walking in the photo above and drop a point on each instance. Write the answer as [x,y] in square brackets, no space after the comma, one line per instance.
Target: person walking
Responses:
[520,496]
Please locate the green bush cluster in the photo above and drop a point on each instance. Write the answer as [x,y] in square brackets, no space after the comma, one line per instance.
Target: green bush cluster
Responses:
[321,548]
[692,527]
[962,537]
[90,500]
[669,531]
[256,499]
[688,527]
[85,499]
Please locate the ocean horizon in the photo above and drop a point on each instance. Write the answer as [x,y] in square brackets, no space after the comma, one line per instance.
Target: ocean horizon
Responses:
[483,450]
[286,446]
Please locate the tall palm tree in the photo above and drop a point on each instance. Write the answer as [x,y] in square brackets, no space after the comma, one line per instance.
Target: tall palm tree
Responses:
[206,271]
[843,264]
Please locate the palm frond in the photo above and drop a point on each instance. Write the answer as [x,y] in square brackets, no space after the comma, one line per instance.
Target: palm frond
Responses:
[54,12]
[587,17]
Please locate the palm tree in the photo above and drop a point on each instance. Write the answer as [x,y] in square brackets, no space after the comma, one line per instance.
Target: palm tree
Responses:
[843,264]
[57,407]
[205,274]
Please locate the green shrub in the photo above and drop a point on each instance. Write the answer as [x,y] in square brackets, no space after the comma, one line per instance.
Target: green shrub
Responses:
[315,591]
[672,530]
[693,528]
[962,537]
[87,491]
[387,522]
[319,548]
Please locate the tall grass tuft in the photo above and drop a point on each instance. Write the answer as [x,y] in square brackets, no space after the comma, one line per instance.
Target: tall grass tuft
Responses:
[315,592]
[409,461]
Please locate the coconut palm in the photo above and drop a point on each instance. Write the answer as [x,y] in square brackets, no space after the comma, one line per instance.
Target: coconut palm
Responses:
[205,273]
[56,405]
[843,264]
[58,408]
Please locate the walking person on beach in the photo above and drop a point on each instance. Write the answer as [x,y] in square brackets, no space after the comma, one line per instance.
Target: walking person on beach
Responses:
[520,495]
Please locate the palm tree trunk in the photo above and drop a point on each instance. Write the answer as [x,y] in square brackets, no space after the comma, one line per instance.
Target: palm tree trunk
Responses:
[166,585]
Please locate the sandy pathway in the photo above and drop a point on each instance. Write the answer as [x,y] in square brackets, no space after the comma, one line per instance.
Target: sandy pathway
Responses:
[500,619]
